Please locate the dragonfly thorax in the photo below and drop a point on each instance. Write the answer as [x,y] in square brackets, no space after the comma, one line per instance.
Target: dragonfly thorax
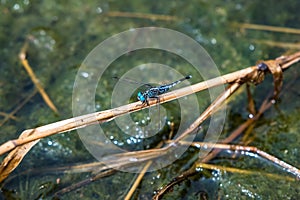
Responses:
[150,93]
[154,92]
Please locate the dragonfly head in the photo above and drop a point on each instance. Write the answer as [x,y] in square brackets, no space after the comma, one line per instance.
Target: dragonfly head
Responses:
[141,97]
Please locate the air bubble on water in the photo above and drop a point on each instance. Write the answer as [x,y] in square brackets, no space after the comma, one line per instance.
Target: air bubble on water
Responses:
[238,6]
[98,106]
[250,154]
[198,169]
[42,32]
[16,7]
[251,47]
[85,74]
[273,101]
[213,41]
[99,10]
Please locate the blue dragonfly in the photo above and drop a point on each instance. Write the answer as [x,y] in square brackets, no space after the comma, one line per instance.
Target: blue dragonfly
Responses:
[153,92]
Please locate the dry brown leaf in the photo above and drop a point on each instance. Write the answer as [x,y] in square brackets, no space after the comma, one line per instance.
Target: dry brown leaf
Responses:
[13,159]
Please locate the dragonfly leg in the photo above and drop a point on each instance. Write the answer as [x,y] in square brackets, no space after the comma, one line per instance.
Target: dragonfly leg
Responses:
[146,101]
[157,104]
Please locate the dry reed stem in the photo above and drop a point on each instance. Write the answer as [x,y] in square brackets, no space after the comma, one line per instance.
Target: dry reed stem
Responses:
[103,116]
[141,174]
[251,74]
[8,116]
[273,65]
[137,181]
[217,147]
[285,166]
[210,110]
[207,157]
[34,79]
[279,44]
[14,158]
[267,28]
[15,110]
[242,171]
[141,16]
[82,183]
[107,115]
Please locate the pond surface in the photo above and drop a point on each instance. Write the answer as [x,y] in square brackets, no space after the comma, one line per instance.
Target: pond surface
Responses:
[61,35]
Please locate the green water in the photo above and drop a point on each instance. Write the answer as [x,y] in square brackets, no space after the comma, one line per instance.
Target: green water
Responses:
[62,34]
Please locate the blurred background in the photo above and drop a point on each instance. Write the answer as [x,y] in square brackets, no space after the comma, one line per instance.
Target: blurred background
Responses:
[61,34]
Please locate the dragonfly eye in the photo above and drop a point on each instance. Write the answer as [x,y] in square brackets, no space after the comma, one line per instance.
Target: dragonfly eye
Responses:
[141,97]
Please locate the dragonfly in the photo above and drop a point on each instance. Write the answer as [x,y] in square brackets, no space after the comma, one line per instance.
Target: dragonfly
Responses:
[153,92]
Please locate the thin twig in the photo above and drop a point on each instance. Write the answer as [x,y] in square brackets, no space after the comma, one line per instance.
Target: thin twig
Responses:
[242,171]
[137,181]
[210,110]
[8,115]
[141,16]
[285,166]
[11,114]
[267,28]
[34,79]
[83,183]
[279,44]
